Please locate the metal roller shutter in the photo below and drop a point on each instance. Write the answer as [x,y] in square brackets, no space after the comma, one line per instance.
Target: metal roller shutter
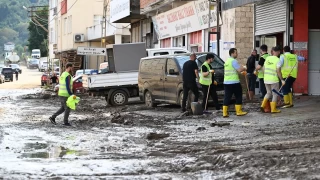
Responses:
[270,17]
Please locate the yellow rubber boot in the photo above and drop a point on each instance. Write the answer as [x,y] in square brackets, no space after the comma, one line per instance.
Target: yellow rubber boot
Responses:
[263,104]
[291,99]
[239,111]
[286,100]
[274,107]
[225,111]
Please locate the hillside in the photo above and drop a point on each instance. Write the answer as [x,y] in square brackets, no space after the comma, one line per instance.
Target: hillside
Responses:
[14,21]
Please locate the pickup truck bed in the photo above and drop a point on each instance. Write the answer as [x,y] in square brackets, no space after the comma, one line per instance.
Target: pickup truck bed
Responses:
[109,80]
[116,87]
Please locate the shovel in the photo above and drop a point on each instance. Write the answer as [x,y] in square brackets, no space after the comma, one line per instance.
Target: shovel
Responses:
[278,92]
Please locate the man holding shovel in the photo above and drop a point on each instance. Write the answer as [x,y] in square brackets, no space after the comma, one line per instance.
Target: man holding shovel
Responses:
[289,70]
[208,83]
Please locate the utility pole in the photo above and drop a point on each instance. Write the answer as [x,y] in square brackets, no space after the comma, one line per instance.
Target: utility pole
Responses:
[32,13]
[104,27]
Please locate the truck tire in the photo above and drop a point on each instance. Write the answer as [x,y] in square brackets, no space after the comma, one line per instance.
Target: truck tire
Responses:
[119,98]
[148,100]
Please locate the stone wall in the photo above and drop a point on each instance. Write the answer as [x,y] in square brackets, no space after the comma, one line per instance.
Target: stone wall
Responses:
[244,35]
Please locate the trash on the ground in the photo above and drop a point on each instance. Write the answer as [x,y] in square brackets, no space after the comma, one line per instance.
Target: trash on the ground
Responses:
[201,128]
[220,123]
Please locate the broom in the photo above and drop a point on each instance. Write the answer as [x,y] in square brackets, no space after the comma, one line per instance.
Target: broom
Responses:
[278,92]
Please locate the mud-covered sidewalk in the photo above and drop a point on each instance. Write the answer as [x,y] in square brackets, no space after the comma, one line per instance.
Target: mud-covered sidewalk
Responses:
[134,142]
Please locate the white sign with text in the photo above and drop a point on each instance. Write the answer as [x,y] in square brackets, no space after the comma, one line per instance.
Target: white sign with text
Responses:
[91,51]
[187,18]
[119,9]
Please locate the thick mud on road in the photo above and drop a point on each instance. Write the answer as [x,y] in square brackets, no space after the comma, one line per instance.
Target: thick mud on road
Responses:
[135,142]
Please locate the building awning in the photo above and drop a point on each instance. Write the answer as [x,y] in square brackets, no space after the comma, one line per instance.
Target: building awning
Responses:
[229,4]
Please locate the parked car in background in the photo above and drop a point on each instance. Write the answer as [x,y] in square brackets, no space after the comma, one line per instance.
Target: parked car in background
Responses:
[77,85]
[16,67]
[86,71]
[160,78]
[44,78]
[8,73]
[33,64]
[43,66]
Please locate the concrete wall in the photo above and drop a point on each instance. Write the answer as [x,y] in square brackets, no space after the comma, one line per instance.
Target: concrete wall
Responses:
[82,14]
[244,25]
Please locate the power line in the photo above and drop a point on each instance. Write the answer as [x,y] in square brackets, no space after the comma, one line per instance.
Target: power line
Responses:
[61,9]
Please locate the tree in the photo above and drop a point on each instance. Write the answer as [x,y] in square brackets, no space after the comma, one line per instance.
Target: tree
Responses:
[7,34]
[38,36]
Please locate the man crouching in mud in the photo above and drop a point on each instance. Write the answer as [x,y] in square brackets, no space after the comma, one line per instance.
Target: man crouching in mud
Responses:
[65,91]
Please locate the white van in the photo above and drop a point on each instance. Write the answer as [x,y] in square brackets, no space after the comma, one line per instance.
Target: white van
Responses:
[166,51]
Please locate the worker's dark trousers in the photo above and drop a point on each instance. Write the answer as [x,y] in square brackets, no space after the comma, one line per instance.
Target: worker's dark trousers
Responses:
[287,87]
[212,93]
[187,86]
[64,108]
[262,87]
[16,78]
[232,89]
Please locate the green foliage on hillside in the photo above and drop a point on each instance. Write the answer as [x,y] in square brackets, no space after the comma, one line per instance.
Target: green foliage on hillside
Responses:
[14,22]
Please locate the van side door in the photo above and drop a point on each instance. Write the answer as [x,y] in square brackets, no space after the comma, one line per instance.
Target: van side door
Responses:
[171,81]
[157,78]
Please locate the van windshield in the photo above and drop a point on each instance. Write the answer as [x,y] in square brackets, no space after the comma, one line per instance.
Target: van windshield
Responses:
[182,59]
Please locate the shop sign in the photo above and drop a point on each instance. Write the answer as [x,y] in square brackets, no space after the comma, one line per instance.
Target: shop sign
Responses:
[228,45]
[119,9]
[184,19]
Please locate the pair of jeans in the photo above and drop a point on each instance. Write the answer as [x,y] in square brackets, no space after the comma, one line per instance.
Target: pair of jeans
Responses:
[270,93]
[212,93]
[232,89]
[64,108]
[262,87]
[286,89]
[187,86]
[252,81]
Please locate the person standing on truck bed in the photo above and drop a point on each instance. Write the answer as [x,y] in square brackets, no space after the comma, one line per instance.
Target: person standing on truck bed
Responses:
[65,91]
[54,80]
[190,73]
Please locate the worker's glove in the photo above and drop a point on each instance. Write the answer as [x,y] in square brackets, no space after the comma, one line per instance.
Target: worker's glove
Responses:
[283,82]
[244,73]
[245,67]
[256,73]
[215,83]
[211,71]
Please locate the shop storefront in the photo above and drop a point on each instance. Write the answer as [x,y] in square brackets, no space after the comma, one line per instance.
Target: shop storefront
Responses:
[185,25]
[306,38]
[272,23]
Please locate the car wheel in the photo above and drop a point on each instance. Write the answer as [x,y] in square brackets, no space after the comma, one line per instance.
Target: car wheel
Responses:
[148,100]
[119,98]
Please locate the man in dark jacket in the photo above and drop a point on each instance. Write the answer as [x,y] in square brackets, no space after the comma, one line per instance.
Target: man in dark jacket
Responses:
[251,66]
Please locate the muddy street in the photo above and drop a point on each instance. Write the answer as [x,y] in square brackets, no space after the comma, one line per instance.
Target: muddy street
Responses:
[134,142]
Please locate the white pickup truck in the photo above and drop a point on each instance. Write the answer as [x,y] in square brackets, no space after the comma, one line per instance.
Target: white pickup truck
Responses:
[116,87]
[121,81]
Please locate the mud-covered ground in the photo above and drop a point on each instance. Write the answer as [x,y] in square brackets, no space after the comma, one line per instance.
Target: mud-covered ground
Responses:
[134,142]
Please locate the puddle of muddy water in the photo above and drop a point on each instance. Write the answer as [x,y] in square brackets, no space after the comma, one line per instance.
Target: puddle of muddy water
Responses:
[41,151]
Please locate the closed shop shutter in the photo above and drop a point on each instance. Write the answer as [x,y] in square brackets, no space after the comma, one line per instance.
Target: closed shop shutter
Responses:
[165,43]
[270,17]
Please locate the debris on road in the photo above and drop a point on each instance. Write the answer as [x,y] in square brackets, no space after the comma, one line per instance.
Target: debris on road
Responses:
[156,136]
[220,123]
